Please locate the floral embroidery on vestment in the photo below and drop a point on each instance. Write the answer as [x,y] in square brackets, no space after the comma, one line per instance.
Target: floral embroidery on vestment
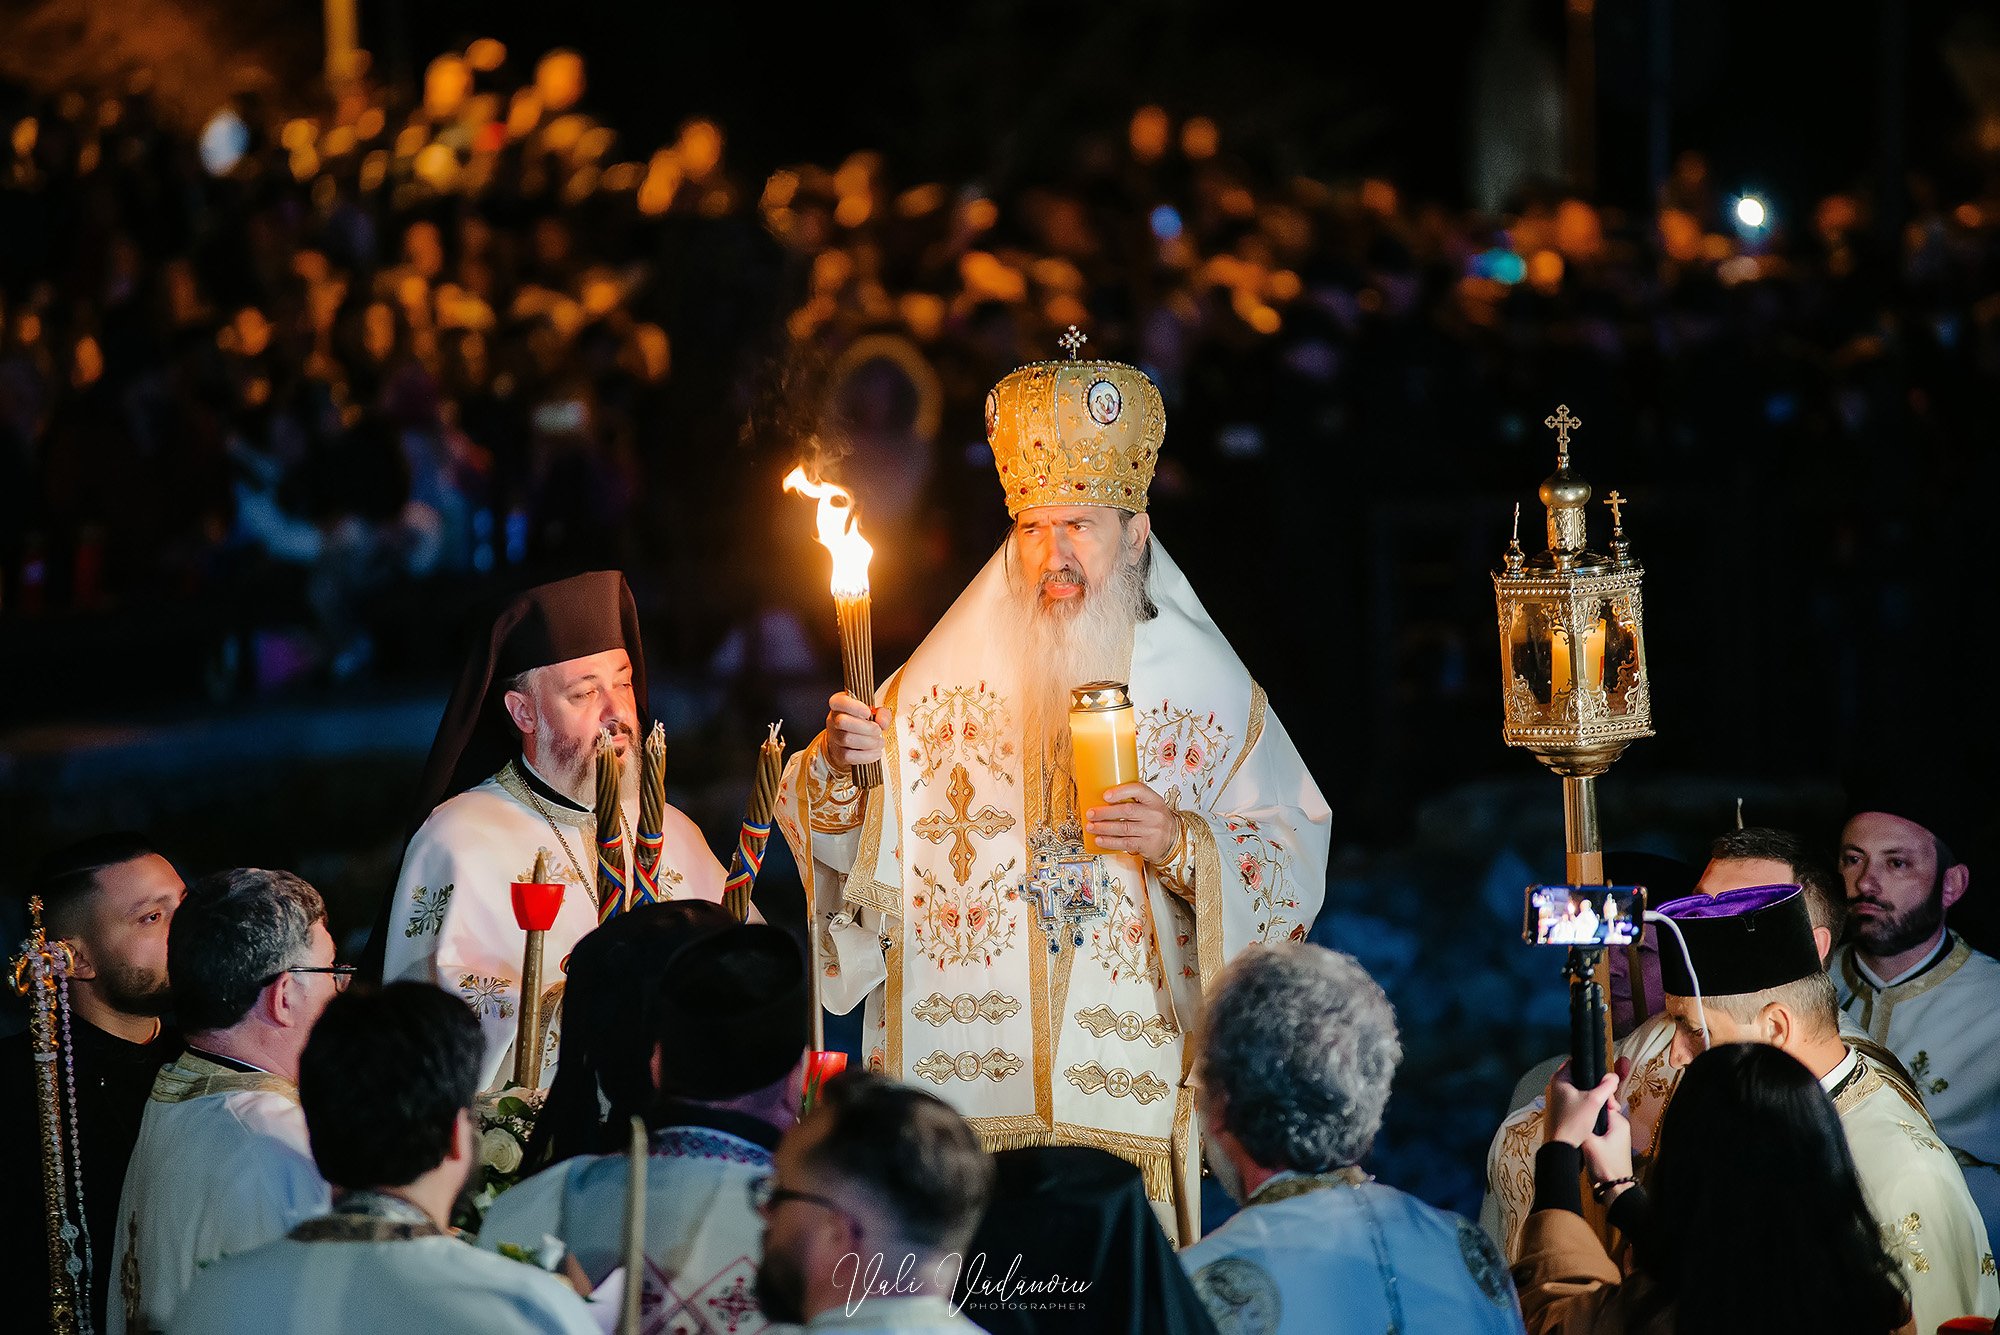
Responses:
[961,723]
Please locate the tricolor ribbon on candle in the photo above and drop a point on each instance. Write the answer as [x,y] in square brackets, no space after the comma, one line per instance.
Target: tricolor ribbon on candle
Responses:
[613,896]
[755,832]
[650,836]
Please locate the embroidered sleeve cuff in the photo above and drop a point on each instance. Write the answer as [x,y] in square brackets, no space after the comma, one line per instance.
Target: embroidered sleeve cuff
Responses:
[1177,868]
[834,803]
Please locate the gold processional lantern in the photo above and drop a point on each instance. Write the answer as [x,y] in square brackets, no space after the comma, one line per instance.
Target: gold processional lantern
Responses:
[1573,652]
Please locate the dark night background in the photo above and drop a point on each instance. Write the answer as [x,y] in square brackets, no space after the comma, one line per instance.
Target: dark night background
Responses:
[237,550]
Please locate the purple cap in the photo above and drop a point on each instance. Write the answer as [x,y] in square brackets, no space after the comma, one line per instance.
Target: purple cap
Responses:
[1741,941]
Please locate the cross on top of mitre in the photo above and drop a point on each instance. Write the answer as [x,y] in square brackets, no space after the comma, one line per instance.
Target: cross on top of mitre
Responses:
[1073,341]
[1563,423]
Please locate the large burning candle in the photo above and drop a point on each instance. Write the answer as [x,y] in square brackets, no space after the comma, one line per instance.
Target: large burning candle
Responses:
[1105,744]
[839,534]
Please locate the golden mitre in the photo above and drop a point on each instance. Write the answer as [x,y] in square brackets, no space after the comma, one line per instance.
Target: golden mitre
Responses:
[1076,432]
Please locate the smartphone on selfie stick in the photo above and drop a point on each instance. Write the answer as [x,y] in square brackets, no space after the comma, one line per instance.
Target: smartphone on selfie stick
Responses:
[1585,918]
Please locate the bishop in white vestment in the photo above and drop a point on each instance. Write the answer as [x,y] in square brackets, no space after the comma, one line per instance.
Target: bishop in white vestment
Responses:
[511,774]
[1047,992]
[222,1165]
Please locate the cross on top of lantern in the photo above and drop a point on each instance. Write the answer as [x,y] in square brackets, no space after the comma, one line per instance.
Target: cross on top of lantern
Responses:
[1572,640]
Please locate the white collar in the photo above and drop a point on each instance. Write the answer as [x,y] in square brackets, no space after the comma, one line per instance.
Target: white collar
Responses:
[1880,985]
[1831,1080]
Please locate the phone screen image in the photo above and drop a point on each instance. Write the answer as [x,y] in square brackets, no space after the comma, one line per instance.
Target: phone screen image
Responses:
[1584,915]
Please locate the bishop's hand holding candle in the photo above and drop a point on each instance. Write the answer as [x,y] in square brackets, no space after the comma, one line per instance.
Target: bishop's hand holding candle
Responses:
[1126,844]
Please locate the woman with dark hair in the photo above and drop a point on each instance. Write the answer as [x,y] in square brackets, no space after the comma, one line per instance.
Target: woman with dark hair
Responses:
[1754,1222]
[606,1071]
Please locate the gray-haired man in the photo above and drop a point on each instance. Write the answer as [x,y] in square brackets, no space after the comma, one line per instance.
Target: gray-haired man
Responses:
[223,1163]
[1297,1050]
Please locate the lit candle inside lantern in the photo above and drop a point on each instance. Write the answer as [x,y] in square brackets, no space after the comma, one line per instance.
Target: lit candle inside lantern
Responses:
[1105,743]
[1560,674]
[839,534]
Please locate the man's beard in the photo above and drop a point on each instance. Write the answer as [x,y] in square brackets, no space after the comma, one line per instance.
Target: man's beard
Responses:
[572,767]
[1065,644]
[781,1289]
[132,990]
[1897,932]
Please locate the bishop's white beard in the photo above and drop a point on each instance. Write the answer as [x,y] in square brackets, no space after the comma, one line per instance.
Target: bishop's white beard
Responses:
[1060,646]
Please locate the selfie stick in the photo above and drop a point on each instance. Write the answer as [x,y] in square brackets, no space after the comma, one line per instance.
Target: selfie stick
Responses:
[1586,1023]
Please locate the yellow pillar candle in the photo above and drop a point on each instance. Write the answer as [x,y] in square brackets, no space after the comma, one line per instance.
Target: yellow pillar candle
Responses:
[1560,675]
[1105,743]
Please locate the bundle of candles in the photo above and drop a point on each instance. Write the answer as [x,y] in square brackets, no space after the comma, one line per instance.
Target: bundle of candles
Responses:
[748,859]
[611,894]
[841,536]
[650,835]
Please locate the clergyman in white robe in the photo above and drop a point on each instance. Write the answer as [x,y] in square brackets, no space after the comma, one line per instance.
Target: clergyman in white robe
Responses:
[1942,1019]
[222,1165]
[452,919]
[1323,1254]
[1910,1181]
[375,1265]
[703,1238]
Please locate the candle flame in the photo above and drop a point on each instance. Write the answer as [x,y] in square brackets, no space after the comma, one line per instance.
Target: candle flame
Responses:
[838,532]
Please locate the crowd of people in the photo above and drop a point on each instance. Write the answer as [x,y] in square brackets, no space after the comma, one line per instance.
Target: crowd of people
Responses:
[301,363]
[268,1149]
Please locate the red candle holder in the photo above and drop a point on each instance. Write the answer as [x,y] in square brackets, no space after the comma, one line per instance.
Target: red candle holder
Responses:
[820,1068]
[536,906]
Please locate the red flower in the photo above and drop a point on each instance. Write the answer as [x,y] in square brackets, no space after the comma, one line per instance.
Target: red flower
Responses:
[1191,759]
[975,916]
[1253,871]
[1298,933]
[1133,931]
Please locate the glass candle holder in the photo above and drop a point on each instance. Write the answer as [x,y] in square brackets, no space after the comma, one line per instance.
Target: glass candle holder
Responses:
[1105,742]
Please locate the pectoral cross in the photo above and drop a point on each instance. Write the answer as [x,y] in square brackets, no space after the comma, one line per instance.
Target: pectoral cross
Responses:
[962,823]
[1563,424]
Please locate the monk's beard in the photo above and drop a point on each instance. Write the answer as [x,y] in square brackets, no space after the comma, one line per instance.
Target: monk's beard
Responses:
[1062,645]
[570,766]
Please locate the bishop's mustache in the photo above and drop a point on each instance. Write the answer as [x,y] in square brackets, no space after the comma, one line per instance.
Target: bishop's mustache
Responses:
[1065,575]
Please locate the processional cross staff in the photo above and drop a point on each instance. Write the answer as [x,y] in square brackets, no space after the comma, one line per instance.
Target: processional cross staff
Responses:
[41,974]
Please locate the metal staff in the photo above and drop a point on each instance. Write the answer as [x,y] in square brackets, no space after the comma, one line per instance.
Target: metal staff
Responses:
[635,1229]
[41,973]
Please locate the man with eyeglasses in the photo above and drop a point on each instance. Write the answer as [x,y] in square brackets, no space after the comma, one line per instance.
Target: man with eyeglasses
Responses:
[868,1209]
[223,1162]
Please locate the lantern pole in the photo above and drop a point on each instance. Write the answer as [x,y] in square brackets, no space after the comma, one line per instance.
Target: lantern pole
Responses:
[1573,662]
